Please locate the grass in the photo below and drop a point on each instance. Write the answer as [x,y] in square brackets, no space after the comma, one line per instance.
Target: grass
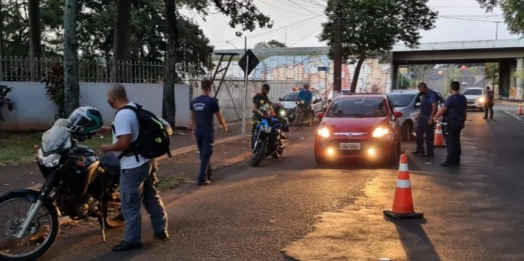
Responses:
[16,148]
[172,182]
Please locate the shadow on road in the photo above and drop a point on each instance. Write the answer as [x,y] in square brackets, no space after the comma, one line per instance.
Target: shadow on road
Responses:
[414,239]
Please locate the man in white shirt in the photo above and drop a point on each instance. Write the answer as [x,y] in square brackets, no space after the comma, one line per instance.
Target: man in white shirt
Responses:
[137,176]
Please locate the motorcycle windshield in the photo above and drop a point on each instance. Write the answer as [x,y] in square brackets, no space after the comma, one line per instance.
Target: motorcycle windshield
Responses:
[56,138]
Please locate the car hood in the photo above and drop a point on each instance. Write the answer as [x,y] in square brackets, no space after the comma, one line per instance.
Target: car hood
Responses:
[288,104]
[470,97]
[352,124]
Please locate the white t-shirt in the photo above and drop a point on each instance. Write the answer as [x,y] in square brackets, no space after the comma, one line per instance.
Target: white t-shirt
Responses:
[126,122]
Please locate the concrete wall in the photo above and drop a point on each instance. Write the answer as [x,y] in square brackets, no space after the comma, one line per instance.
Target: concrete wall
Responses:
[34,111]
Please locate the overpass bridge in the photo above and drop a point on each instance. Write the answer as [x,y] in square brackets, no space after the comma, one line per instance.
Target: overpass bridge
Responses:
[508,53]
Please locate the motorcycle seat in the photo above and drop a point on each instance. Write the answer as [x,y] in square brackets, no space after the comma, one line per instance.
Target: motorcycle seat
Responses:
[110,163]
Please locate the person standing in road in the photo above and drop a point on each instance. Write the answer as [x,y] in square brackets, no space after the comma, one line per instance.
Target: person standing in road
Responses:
[455,108]
[202,110]
[428,109]
[307,96]
[488,103]
[137,177]
[259,100]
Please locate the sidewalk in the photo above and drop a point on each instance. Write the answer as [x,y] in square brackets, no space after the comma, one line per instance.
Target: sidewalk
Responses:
[228,147]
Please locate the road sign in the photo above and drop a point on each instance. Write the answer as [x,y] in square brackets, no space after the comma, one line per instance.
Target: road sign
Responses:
[253,61]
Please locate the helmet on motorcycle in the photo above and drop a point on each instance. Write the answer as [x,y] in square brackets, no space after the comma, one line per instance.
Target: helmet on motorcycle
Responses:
[85,120]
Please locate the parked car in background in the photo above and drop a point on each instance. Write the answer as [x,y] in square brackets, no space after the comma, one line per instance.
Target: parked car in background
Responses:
[475,97]
[359,127]
[408,102]
[288,102]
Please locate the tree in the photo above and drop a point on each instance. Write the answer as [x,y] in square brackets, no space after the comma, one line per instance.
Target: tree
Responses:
[270,44]
[121,36]
[513,11]
[491,71]
[403,82]
[72,88]
[372,27]
[35,37]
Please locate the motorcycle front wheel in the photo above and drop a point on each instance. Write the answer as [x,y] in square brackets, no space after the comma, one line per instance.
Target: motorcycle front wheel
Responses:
[40,235]
[259,151]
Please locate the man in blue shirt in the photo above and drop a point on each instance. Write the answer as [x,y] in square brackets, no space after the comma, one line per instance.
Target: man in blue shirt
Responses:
[428,109]
[202,109]
[307,96]
[456,110]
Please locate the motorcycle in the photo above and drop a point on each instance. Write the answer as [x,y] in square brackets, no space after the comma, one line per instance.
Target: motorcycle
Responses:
[78,184]
[269,139]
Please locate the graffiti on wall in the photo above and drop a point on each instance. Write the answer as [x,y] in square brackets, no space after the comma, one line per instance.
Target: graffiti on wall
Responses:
[374,76]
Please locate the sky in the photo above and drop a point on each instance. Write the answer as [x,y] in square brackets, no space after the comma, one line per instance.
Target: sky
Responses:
[298,24]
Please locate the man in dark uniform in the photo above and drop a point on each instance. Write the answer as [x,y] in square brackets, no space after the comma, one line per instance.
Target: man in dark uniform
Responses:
[488,103]
[455,109]
[428,102]
[202,110]
[259,100]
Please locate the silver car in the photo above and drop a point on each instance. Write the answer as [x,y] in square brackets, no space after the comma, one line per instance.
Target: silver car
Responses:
[408,102]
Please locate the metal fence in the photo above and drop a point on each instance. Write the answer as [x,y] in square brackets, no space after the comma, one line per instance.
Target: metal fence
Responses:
[25,69]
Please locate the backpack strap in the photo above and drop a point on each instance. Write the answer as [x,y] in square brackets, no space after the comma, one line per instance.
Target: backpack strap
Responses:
[130,149]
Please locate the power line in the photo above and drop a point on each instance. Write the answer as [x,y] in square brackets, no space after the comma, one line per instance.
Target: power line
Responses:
[303,7]
[281,8]
[466,19]
[305,36]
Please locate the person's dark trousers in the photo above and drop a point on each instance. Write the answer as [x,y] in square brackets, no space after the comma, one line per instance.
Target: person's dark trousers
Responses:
[137,187]
[488,108]
[424,128]
[453,145]
[205,140]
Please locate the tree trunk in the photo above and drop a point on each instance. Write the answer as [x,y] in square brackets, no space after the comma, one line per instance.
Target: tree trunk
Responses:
[35,38]
[356,74]
[72,89]
[2,56]
[121,40]
[168,104]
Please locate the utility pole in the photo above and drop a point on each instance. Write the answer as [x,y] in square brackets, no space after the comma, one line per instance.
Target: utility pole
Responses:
[337,71]
[497,31]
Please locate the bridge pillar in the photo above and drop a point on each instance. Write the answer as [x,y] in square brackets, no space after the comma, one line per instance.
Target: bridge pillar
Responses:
[504,79]
[519,80]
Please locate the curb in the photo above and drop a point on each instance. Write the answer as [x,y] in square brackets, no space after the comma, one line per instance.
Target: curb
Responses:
[187,149]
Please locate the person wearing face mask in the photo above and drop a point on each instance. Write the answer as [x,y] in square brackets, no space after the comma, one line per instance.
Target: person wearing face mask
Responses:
[259,100]
[137,176]
[428,109]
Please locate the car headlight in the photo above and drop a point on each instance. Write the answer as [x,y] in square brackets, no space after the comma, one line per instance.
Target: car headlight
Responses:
[481,99]
[282,113]
[323,132]
[380,132]
[49,161]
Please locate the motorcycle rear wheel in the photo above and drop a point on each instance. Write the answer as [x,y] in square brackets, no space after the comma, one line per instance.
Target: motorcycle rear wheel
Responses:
[258,154]
[44,242]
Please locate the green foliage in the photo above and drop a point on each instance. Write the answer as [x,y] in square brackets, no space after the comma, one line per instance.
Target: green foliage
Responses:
[513,11]
[270,44]
[4,90]
[55,86]
[491,71]
[403,82]
[372,27]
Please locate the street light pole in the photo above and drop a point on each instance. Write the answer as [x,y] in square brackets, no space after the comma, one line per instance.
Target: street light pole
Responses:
[337,71]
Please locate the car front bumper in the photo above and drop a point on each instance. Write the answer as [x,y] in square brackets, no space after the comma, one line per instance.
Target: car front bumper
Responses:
[369,148]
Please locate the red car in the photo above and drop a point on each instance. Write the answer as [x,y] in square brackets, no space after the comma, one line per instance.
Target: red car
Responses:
[359,126]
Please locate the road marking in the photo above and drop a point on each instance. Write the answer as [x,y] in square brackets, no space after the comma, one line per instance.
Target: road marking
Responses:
[513,115]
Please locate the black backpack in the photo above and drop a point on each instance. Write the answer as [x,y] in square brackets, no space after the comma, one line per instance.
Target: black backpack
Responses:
[153,139]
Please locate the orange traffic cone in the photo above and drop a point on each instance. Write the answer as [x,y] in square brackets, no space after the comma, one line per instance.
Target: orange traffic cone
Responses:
[403,203]
[519,112]
[439,138]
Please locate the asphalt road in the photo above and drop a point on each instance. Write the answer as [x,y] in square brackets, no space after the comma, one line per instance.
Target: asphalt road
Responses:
[472,213]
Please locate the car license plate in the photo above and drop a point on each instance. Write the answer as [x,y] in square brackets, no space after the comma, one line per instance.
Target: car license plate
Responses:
[349,146]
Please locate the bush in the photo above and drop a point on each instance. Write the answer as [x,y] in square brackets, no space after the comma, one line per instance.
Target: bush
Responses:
[55,86]
[4,90]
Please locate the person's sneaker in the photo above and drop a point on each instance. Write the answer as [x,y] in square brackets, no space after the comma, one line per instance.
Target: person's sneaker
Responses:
[207,182]
[124,246]
[447,164]
[163,235]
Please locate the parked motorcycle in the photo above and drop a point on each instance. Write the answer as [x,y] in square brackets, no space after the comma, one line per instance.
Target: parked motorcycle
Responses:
[77,184]
[269,139]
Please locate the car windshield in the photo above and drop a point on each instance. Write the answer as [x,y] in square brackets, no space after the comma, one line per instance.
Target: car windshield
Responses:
[401,99]
[357,107]
[472,92]
[290,96]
